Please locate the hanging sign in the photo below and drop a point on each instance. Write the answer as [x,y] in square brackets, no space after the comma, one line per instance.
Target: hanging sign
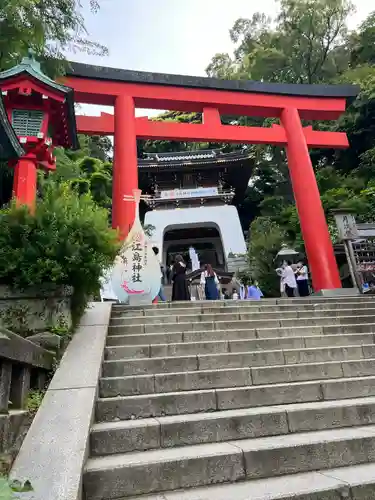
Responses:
[346,225]
[136,276]
[173,194]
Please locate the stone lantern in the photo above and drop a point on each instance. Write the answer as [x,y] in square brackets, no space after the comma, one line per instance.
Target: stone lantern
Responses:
[286,253]
[41,113]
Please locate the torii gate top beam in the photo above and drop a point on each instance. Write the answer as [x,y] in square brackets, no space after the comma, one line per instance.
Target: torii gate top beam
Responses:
[101,85]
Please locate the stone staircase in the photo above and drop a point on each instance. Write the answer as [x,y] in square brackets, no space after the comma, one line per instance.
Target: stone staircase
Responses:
[237,401]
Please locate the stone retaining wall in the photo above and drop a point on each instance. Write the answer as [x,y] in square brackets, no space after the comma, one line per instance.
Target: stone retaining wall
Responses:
[35,310]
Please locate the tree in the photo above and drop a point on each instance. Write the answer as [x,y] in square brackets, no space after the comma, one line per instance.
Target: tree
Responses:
[265,240]
[50,27]
[306,43]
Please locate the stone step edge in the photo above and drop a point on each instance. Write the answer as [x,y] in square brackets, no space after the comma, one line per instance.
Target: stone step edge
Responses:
[100,427]
[251,304]
[198,357]
[236,321]
[278,326]
[343,482]
[230,341]
[201,451]
[361,312]
[302,327]
[227,303]
[296,383]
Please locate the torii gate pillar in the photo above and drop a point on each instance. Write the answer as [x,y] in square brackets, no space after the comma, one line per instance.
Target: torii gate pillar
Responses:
[125,171]
[318,244]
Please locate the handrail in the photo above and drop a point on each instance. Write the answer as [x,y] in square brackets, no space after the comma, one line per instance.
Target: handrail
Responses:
[22,363]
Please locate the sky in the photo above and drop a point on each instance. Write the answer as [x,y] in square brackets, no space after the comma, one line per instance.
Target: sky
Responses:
[173,36]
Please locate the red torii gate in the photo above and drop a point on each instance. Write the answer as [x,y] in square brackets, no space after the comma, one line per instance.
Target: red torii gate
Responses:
[126,90]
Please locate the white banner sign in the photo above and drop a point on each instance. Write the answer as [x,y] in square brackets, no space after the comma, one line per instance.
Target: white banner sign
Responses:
[136,273]
[173,194]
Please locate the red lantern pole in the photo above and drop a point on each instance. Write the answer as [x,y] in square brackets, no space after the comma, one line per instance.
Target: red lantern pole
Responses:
[25,182]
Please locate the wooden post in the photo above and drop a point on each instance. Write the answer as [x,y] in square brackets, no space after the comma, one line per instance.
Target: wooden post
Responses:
[20,386]
[5,379]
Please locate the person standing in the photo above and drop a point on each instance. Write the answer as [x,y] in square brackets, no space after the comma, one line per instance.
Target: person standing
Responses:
[210,282]
[302,280]
[180,289]
[161,295]
[288,280]
[254,292]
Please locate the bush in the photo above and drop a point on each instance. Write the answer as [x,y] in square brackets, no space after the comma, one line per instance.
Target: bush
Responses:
[67,242]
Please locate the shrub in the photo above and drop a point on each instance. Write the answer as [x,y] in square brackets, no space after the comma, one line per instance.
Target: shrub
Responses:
[67,242]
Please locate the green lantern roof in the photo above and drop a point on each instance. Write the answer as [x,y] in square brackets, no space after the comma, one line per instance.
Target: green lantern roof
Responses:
[31,67]
[10,147]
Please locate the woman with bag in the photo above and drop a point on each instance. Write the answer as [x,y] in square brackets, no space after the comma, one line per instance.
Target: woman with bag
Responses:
[210,282]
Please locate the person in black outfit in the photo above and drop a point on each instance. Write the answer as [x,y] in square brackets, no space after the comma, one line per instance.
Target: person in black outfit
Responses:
[180,289]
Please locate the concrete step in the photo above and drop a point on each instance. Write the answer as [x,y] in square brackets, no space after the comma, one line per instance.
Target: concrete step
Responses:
[116,365]
[207,304]
[241,307]
[182,430]
[168,469]
[221,346]
[239,324]
[193,317]
[232,377]
[207,361]
[239,334]
[355,482]
[211,400]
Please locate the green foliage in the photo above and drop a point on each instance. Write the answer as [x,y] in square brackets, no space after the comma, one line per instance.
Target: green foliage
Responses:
[8,489]
[266,238]
[303,44]
[34,401]
[66,242]
[50,27]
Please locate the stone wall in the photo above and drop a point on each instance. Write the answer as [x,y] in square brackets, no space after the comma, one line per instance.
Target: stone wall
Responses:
[34,310]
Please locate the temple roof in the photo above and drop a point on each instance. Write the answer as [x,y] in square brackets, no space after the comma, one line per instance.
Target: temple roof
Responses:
[81,70]
[212,157]
[10,148]
[30,66]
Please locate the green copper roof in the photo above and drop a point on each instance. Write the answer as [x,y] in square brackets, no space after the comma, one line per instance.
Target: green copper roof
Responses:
[10,147]
[31,66]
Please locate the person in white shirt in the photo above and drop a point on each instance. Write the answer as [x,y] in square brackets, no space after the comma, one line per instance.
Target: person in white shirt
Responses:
[302,279]
[288,280]
[210,282]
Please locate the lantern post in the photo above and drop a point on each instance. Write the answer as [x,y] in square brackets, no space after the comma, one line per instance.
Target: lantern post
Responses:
[41,113]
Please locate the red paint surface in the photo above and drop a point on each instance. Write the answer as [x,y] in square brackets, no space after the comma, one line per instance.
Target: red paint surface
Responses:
[24,183]
[125,171]
[211,130]
[314,228]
